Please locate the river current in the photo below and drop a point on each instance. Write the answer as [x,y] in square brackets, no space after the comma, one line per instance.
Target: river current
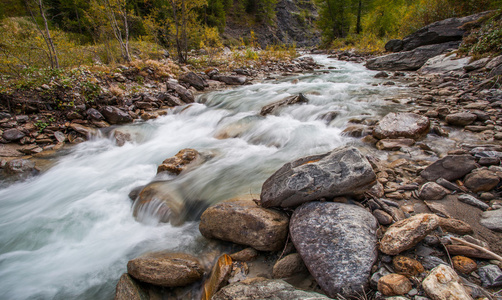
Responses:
[69,232]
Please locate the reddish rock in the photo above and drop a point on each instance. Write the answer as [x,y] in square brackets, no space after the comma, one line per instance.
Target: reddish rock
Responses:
[402,125]
[394,285]
[407,266]
[481,180]
[464,264]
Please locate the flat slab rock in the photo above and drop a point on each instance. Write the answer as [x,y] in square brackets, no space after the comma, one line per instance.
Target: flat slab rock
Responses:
[243,222]
[337,243]
[343,171]
[492,219]
[444,63]
[402,125]
[451,167]
[261,288]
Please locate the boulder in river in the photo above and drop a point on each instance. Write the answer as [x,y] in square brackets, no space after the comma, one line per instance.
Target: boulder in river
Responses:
[262,288]
[343,171]
[406,233]
[230,79]
[451,167]
[409,60]
[271,108]
[184,159]
[20,166]
[185,94]
[243,222]
[402,125]
[338,244]
[159,202]
[166,269]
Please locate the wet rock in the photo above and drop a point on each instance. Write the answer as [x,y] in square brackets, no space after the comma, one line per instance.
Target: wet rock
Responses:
[405,234]
[185,94]
[394,285]
[245,223]
[409,60]
[473,201]
[194,80]
[115,115]
[356,131]
[94,114]
[166,269]
[481,180]
[407,266]
[455,226]
[381,74]
[337,242]
[121,137]
[461,118]
[491,276]
[13,134]
[394,144]
[343,171]
[184,159]
[451,167]
[230,79]
[129,289]
[247,254]
[464,264]
[492,220]
[218,278]
[401,125]
[289,266]
[159,202]
[443,283]
[444,63]
[329,116]
[432,191]
[273,107]
[382,217]
[20,166]
[261,288]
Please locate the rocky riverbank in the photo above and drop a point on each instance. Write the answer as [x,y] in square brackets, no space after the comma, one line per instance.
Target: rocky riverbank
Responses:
[416,216]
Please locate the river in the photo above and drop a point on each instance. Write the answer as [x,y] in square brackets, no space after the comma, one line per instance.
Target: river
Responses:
[68,233]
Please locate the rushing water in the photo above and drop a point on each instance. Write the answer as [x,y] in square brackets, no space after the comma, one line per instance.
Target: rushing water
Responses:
[68,233]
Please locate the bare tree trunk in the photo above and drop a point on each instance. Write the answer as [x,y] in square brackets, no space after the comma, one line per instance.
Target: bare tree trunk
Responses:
[358,23]
[49,38]
[51,53]
[124,46]
[179,48]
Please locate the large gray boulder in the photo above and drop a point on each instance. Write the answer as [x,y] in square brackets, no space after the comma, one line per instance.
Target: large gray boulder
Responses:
[451,167]
[410,60]
[338,244]
[444,63]
[194,80]
[185,94]
[438,32]
[402,125]
[261,288]
[343,171]
[243,222]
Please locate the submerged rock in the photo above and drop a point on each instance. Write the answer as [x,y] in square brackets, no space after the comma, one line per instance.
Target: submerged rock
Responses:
[343,171]
[166,269]
[402,125]
[262,288]
[159,202]
[338,244]
[271,108]
[243,222]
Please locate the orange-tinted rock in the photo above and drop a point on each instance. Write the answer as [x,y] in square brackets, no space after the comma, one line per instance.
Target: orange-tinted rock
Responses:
[179,162]
[219,277]
[464,264]
[407,266]
[394,285]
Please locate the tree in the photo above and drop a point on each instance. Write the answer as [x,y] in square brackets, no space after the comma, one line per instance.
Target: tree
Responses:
[46,34]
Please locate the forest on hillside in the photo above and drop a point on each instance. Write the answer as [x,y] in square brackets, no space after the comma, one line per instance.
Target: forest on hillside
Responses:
[66,33]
